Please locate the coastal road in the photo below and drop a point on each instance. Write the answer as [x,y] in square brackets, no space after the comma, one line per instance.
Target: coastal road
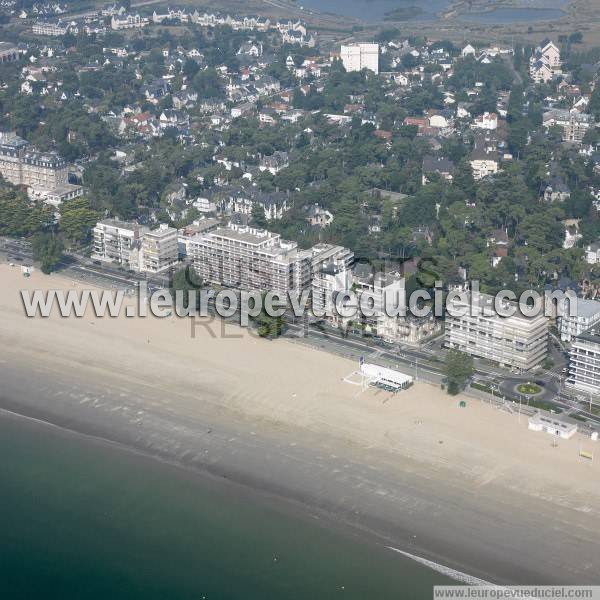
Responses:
[425,363]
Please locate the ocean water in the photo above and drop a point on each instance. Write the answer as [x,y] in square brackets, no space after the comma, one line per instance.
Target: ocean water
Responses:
[81,519]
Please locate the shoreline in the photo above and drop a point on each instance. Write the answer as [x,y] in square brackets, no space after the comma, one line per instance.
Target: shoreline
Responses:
[284,504]
[326,520]
[411,471]
[248,484]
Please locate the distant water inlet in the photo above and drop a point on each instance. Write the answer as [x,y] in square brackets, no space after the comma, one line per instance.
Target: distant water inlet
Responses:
[406,10]
[513,15]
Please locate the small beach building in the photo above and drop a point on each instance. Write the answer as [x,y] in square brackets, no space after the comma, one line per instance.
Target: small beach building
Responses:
[552,425]
[385,378]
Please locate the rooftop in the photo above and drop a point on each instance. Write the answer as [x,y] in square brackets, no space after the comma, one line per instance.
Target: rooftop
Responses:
[121,224]
[592,336]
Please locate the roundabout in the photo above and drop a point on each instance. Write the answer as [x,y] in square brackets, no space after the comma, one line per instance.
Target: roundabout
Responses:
[529,389]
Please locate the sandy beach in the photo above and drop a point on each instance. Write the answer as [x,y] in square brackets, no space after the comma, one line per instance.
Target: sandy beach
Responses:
[470,488]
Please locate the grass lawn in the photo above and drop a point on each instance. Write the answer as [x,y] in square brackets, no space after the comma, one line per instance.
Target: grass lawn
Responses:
[529,389]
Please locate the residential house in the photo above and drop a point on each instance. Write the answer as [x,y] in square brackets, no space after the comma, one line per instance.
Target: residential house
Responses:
[484,158]
[318,216]
[274,163]
[488,121]
[438,165]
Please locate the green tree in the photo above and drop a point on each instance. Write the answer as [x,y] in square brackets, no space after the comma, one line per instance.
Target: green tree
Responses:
[269,327]
[48,250]
[186,280]
[18,217]
[258,216]
[594,106]
[459,369]
[76,220]
[208,84]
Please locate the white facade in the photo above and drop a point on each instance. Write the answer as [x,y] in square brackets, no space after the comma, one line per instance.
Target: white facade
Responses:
[386,377]
[545,63]
[584,363]
[553,426]
[356,57]
[251,260]
[159,249]
[135,246]
[115,241]
[588,315]
[409,329]
[49,28]
[468,50]
[128,22]
[487,121]
[482,167]
[516,342]
[382,293]
[331,274]
[592,254]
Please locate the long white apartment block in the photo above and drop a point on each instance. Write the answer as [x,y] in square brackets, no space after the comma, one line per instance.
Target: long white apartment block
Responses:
[250,259]
[356,57]
[517,342]
[587,316]
[584,362]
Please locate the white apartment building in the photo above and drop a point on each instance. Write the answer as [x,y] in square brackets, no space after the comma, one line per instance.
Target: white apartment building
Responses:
[584,363]
[251,259]
[331,274]
[50,28]
[356,57]
[516,342]
[128,22]
[159,249]
[116,241]
[135,246]
[588,315]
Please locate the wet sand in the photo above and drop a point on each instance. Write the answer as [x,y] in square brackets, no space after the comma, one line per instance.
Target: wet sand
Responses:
[470,488]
